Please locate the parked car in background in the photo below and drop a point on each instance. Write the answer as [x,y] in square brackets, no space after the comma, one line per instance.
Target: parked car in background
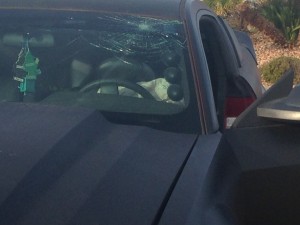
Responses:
[112,111]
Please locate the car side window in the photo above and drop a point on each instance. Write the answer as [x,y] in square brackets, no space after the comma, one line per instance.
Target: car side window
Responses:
[215,53]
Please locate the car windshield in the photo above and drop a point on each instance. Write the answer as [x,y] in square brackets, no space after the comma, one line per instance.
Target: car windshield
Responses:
[112,63]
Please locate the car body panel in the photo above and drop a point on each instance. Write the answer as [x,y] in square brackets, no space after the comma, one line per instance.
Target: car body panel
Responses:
[166,9]
[96,176]
[187,203]
[268,183]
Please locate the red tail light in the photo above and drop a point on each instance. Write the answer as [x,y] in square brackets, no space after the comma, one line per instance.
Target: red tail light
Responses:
[234,107]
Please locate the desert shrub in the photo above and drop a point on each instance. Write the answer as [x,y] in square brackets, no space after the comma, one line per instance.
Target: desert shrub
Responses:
[273,70]
[223,7]
[251,14]
[285,15]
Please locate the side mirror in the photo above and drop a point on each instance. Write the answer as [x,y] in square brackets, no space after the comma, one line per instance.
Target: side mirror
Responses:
[287,109]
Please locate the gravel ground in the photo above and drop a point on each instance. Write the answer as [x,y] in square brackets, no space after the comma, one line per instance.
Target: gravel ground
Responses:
[265,48]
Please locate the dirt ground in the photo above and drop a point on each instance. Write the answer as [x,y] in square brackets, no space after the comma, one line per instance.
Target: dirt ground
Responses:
[266,49]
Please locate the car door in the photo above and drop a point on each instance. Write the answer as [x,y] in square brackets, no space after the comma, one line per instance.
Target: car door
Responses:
[219,65]
[210,170]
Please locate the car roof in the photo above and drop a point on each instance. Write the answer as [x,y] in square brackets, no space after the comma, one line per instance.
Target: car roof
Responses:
[155,8]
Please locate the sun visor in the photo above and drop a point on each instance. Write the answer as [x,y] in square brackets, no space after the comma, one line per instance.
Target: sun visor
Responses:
[41,40]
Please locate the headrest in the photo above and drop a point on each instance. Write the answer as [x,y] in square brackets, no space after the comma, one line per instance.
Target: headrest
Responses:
[125,69]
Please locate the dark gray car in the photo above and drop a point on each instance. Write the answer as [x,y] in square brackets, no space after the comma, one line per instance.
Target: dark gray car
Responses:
[112,112]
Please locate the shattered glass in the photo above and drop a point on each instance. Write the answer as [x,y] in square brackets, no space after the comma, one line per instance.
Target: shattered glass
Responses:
[134,36]
[149,36]
[76,54]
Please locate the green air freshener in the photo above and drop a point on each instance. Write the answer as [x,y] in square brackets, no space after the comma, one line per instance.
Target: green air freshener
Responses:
[26,70]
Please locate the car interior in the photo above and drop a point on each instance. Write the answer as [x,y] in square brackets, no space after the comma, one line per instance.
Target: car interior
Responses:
[109,62]
[115,64]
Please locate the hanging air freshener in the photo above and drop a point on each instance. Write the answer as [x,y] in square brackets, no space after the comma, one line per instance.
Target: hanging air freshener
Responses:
[26,69]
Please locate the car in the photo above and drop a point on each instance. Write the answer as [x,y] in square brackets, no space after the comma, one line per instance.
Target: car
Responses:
[115,112]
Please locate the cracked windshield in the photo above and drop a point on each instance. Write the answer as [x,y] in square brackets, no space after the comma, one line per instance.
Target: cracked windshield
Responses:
[111,63]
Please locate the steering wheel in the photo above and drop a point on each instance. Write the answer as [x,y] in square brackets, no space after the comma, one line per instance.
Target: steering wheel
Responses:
[111,87]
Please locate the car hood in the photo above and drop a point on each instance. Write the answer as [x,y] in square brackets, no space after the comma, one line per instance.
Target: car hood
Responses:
[72,166]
